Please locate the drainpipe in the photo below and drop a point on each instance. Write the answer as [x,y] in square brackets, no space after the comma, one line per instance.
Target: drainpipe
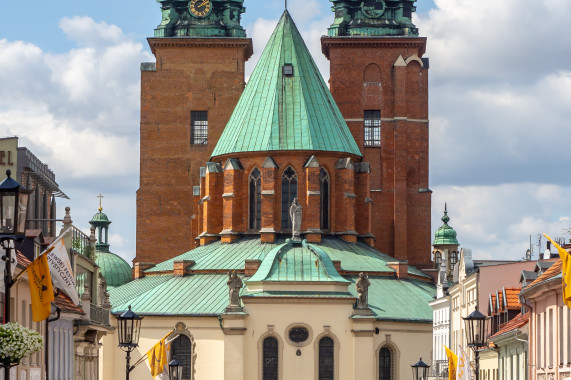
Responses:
[46,354]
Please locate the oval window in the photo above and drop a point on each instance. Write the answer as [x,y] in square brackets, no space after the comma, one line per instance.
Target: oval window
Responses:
[298,334]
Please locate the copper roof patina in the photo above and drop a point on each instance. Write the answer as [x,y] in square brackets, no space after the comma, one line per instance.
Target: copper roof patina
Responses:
[206,291]
[286,104]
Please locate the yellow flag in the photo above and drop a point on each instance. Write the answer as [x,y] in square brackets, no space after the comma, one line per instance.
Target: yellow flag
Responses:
[566,271]
[158,356]
[40,288]
[452,362]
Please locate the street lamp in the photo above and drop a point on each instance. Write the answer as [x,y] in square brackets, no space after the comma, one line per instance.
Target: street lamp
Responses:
[476,334]
[175,370]
[420,370]
[13,207]
[129,328]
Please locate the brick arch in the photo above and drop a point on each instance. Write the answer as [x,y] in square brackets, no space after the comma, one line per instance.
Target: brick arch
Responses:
[372,73]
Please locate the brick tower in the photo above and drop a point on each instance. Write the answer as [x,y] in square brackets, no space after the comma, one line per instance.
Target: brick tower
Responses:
[380,83]
[187,97]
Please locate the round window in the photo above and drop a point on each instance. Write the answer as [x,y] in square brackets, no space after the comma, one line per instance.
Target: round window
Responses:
[298,334]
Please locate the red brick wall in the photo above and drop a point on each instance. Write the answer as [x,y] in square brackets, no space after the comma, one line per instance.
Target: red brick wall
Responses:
[399,167]
[191,74]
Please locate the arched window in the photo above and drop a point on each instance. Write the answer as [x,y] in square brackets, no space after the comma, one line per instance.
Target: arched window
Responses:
[181,349]
[437,259]
[289,192]
[324,190]
[326,359]
[255,211]
[270,359]
[385,364]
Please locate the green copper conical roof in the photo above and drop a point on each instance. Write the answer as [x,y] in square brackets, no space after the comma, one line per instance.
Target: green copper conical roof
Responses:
[279,111]
[445,235]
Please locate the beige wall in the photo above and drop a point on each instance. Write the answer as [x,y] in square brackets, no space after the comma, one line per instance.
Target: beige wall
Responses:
[237,357]
[9,156]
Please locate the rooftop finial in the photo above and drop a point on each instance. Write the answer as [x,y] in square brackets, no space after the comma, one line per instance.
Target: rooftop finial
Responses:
[285,4]
[445,218]
[100,198]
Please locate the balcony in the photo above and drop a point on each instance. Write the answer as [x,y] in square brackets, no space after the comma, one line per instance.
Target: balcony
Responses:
[99,315]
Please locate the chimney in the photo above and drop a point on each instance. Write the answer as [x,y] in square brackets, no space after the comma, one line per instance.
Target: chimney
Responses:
[400,267]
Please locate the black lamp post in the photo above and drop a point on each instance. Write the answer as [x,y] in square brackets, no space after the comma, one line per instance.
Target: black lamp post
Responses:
[13,207]
[476,334]
[129,328]
[420,370]
[175,370]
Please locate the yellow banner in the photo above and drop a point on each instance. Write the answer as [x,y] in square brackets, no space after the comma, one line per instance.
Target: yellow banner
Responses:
[40,288]
[452,363]
[158,356]
[566,271]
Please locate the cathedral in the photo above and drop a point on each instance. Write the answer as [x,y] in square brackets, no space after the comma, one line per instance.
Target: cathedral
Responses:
[283,225]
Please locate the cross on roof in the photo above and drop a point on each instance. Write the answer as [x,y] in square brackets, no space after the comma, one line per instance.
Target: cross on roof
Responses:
[100,198]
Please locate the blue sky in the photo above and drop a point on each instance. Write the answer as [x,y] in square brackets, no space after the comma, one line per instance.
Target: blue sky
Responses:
[500,105]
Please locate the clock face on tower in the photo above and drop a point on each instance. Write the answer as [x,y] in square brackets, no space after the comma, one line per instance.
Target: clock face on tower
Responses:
[373,8]
[200,8]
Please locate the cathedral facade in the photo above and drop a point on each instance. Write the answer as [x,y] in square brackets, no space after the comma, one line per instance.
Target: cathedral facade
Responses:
[263,207]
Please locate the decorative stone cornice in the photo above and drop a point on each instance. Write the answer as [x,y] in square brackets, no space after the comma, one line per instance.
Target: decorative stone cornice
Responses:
[204,42]
[373,42]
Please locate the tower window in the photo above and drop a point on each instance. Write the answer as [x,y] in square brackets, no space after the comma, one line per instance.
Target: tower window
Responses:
[372,128]
[270,359]
[287,70]
[324,190]
[199,127]
[326,357]
[255,199]
[289,193]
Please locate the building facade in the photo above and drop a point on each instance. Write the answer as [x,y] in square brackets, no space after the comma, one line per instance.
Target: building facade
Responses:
[286,281]
[378,79]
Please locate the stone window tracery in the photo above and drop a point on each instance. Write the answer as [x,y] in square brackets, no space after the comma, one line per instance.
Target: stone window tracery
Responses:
[255,198]
[289,193]
[324,191]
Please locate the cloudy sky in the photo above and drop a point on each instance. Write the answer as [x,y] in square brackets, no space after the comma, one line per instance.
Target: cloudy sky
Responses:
[500,105]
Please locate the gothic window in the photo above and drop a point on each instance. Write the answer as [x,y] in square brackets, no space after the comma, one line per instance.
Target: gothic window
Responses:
[199,127]
[372,128]
[385,364]
[326,357]
[255,211]
[270,359]
[289,193]
[181,350]
[324,190]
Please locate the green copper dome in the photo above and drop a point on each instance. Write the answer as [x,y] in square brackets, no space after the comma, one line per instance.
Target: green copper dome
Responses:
[116,271]
[286,104]
[445,235]
[100,217]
